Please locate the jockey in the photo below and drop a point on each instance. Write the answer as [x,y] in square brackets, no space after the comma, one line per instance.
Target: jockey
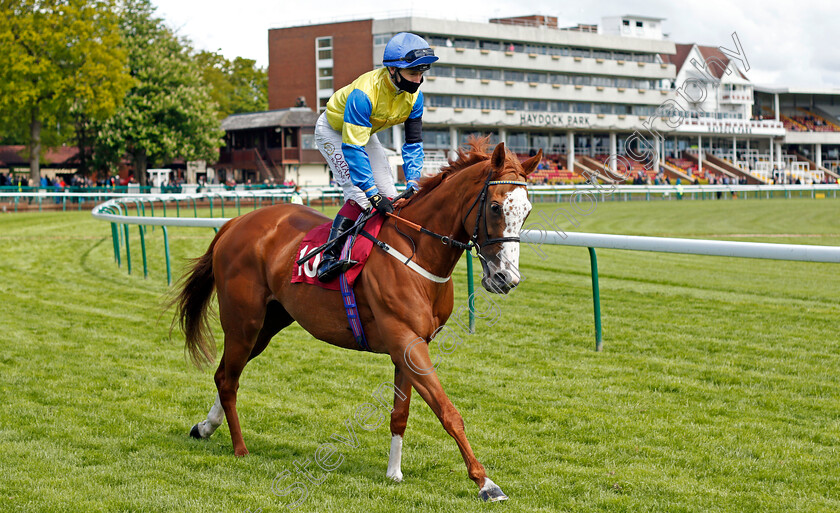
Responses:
[346,135]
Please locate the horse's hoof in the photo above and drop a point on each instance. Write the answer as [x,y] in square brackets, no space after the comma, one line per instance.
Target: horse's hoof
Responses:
[491,492]
[395,476]
[194,432]
[241,454]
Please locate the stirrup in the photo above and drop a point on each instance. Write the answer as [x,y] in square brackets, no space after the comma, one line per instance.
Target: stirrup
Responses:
[331,269]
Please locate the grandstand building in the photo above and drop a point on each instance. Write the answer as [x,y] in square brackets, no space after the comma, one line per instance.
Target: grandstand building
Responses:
[582,94]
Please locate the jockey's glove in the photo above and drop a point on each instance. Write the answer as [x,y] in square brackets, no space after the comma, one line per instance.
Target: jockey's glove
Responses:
[381,204]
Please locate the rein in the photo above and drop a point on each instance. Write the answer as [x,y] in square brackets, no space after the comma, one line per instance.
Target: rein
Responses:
[473,243]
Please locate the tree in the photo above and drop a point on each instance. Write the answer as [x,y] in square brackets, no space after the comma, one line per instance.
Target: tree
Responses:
[58,59]
[236,87]
[168,112]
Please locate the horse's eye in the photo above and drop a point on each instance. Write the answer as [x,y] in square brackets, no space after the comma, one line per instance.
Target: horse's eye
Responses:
[496,208]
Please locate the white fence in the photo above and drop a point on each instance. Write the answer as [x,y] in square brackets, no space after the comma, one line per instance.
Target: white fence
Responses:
[115,212]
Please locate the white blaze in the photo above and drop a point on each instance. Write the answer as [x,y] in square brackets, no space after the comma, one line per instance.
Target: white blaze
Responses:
[515,208]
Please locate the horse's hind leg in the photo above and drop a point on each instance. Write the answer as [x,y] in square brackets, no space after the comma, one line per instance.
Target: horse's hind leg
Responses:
[399,419]
[276,318]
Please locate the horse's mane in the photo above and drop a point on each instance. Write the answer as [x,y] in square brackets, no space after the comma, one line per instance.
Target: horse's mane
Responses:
[475,152]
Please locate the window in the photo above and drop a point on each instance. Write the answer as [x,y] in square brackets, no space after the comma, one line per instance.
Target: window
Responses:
[602,54]
[466,43]
[440,71]
[466,73]
[325,79]
[537,77]
[489,74]
[323,46]
[437,101]
[513,104]
[603,108]
[490,45]
[324,73]
[536,106]
[643,110]
[558,106]
[603,81]
[307,142]
[626,23]
[581,52]
[639,24]
[560,79]
[491,103]
[436,139]
[435,41]
[581,108]
[515,76]
[382,39]
[582,80]
[465,102]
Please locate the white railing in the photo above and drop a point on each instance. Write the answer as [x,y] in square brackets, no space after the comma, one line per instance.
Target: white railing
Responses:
[724,248]
[115,212]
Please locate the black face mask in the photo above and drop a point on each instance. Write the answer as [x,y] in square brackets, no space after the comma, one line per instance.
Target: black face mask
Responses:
[405,85]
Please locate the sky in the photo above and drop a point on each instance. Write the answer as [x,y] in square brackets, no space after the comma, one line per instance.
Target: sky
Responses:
[787,43]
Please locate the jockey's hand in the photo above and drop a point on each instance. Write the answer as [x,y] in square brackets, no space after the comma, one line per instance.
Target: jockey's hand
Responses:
[381,204]
[403,198]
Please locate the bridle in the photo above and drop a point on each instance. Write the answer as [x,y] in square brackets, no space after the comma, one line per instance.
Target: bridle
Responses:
[481,201]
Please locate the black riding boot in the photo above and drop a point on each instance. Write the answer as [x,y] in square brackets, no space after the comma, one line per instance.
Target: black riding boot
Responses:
[331,266]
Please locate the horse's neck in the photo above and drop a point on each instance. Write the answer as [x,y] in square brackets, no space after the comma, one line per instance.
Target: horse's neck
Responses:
[441,211]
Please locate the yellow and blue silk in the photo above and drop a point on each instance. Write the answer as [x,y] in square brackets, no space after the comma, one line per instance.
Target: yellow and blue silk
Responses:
[369,104]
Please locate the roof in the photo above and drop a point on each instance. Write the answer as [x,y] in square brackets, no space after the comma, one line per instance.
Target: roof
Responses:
[641,17]
[710,54]
[678,58]
[293,117]
[797,90]
[16,155]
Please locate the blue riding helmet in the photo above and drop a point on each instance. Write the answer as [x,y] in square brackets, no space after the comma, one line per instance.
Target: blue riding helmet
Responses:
[406,50]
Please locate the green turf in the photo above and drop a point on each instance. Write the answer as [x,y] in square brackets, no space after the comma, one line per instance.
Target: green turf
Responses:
[717,389]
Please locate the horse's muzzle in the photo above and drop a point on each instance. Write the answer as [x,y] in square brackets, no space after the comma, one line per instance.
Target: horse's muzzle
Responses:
[500,282]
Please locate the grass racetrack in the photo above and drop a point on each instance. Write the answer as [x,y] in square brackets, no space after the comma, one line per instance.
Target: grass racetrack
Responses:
[718,388]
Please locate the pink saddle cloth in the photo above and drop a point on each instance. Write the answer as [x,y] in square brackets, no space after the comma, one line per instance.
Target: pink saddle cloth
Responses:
[308,272]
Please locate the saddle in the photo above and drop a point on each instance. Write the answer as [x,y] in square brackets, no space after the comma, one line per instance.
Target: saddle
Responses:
[360,250]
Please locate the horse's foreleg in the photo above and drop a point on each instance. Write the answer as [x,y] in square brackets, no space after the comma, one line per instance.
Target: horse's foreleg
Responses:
[399,418]
[420,372]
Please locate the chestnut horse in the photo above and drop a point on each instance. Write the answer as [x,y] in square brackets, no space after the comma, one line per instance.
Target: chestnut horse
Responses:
[478,200]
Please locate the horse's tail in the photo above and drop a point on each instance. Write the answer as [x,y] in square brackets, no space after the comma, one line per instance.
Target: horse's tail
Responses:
[192,299]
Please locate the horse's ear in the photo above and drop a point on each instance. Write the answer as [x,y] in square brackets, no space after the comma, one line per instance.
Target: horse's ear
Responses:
[498,158]
[531,164]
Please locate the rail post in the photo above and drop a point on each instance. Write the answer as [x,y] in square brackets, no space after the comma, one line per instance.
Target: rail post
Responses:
[166,252]
[596,299]
[143,251]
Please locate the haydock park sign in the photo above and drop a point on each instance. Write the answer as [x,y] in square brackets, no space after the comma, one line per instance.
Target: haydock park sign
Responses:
[555,120]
